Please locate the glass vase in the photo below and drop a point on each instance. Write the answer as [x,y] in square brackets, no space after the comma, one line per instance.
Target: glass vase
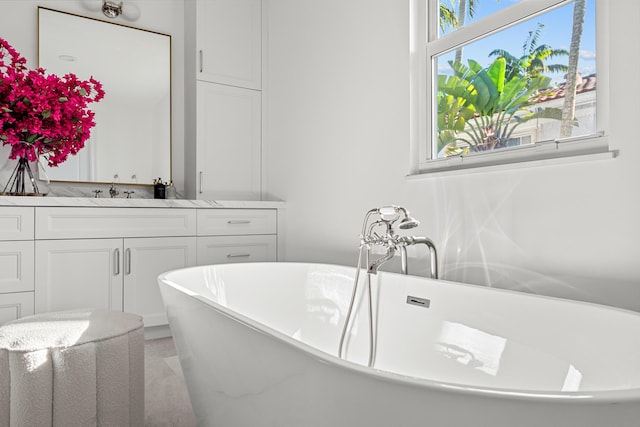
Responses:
[22,181]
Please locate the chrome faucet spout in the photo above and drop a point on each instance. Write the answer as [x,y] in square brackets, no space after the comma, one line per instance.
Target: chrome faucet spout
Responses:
[373,268]
[413,240]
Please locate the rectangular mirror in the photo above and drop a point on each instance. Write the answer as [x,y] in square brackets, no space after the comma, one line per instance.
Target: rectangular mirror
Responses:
[131,142]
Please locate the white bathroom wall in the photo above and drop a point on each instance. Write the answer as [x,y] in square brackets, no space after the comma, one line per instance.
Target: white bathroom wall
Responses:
[337,139]
[19,26]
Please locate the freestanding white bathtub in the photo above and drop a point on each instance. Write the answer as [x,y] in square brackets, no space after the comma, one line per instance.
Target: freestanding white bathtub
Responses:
[258,345]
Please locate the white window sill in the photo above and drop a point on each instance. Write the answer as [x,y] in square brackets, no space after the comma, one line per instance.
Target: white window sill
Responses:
[568,152]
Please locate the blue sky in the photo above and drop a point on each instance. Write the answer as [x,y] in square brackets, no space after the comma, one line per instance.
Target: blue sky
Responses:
[557,34]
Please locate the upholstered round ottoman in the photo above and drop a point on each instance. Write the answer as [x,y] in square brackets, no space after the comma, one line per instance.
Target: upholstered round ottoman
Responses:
[72,368]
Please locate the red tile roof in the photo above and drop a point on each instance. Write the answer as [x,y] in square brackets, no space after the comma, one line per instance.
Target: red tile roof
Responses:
[584,84]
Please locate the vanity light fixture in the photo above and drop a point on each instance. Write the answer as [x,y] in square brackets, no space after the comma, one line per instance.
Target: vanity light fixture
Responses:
[112,9]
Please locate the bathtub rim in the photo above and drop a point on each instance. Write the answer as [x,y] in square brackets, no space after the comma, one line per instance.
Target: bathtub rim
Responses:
[585,397]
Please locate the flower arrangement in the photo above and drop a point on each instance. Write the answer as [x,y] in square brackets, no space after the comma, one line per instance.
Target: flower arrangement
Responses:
[43,114]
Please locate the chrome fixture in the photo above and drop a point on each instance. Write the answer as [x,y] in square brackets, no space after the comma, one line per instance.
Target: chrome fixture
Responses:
[405,241]
[113,191]
[97,196]
[128,193]
[112,9]
[387,217]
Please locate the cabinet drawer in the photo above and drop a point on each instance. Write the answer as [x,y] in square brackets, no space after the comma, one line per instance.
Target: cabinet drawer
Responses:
[229,249]
[16,223]
[74,223]
[229,222]
[16,266]
[15,306]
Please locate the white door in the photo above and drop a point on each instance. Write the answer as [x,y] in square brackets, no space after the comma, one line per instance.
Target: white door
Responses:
[144,260]
[229,42]
[228,142]
[79,273]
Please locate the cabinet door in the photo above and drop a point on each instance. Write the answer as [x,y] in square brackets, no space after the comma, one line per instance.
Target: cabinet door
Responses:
[144,260]
[228,143]
[16,266]
[15,306]
[228,249]
[78,273]
[229,42]
[16,223]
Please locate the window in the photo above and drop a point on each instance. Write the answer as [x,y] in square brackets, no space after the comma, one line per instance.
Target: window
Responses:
[505,81]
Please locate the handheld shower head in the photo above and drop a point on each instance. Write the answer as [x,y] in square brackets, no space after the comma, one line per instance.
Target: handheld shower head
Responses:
[408,223]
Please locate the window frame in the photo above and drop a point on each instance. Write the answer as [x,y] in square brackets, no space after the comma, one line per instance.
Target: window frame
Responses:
[425,45]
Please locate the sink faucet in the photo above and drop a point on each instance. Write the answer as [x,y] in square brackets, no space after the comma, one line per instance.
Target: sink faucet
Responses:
[113,191]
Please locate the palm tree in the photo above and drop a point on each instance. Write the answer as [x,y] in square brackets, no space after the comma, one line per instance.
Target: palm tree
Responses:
[465,7]
[569,108]
[532,61]
[450,18]
[447,17]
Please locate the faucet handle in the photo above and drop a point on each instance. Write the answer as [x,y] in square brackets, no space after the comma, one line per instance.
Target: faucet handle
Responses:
[97,196]
[128,193]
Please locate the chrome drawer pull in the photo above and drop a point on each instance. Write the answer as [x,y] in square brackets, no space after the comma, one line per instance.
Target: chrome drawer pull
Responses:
[238,255]
[238,221]
[127,265]
[116,259]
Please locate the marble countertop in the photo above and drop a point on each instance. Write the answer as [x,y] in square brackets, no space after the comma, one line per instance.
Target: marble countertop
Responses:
[138,203]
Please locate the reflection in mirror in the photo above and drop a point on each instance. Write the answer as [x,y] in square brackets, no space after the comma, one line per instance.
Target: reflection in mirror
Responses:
[131,142]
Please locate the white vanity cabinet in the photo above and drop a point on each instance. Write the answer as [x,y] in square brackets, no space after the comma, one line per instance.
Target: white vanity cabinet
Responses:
[237,235]
[62,257]
[223,99]
[229,42]
[110,257]
[16,262]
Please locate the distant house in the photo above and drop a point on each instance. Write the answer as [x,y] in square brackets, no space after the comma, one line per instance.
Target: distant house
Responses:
[548,129]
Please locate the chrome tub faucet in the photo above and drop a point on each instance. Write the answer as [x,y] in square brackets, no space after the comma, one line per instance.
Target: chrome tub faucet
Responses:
[388,216]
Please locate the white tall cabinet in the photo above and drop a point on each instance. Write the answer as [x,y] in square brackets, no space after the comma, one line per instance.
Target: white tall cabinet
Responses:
[223,99]
[229,42]
[229,142]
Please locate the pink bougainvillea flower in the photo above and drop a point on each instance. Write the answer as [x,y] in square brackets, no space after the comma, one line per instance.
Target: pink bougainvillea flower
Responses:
[43,114]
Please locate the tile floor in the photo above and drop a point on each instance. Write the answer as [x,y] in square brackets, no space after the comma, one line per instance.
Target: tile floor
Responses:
[166,399]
